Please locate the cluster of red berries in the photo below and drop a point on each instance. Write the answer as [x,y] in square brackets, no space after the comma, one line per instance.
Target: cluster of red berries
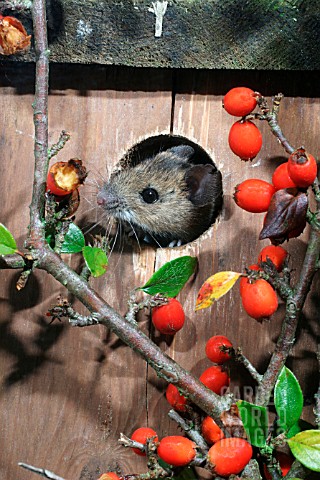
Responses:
[215,377]
[245,139]
[226,457]
[300,171]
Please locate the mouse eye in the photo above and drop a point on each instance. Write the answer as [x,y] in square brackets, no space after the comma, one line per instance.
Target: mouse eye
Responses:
[149,195]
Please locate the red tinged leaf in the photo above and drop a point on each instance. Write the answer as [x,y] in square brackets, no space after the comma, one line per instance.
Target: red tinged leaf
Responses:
[286,215]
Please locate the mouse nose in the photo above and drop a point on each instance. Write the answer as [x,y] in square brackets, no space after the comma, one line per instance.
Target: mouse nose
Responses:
[107,200]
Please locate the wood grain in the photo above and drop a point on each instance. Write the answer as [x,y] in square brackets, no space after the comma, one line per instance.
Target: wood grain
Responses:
[66,394]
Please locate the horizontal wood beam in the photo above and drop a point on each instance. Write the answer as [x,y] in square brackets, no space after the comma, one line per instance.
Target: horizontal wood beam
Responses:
[212,34]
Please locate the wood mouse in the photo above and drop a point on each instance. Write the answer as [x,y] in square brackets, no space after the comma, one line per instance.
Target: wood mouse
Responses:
[166,199]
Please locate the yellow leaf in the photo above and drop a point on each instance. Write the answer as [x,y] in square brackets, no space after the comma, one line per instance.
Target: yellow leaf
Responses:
[215,287]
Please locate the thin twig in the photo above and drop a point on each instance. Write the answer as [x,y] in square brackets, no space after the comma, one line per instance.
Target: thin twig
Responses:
[55,149]
[272,119]
[239,357]
[190,431]
[317,395]
[40,471]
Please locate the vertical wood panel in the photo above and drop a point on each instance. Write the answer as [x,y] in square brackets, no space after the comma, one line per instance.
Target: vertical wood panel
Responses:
[76,388]
[70,392]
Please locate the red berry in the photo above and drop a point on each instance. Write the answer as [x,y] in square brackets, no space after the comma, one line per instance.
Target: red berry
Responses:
[141,435]
[229,456]
[64,177]
[215,379]
[210,430]
[177,401]
[285,462]
[245,139]
[239,101]
[302,168]
[281,179]
[214,349]
[109,476]
[276,254]
[176,450]
[168,318]
[259,299]
[254,195]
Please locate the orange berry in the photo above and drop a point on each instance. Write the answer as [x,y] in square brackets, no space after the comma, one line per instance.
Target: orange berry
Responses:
[141,435]
[210,430]
[281,179]
[177,401]
[259,299]
[168,318]
[254,195]
[245,139]
[176,450]
[239,101]
[214,351]
[109,476]
[302,168]
[229,456]
[215,379]
[275,253]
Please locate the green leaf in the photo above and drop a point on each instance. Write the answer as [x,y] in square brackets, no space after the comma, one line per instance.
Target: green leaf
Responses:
[305,446]
[288,399]
[73,241]
[96,260]
[7,242]
[255,422]
[171,277]
[298,427]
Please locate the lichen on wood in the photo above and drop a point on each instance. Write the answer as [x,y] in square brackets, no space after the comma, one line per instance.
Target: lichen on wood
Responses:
[277,34]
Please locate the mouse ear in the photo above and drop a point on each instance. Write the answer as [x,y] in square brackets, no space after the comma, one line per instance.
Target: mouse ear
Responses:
[204,184]
[184,152]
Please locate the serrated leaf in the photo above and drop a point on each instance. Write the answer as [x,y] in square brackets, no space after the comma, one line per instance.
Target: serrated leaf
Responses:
[255,422]
[7,242]
[96,260]
[73,241]
[305,446]
[215,287]
[286,214]
[171,277]
[288,399]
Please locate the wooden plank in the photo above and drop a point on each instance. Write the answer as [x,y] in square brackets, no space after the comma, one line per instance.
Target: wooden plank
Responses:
[75,389]
[208,34]
[233,243]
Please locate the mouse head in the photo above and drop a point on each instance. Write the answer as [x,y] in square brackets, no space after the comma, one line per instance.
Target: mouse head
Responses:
[163,193]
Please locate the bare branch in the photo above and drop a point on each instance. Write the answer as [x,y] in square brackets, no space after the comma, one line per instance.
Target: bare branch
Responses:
[40,471]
